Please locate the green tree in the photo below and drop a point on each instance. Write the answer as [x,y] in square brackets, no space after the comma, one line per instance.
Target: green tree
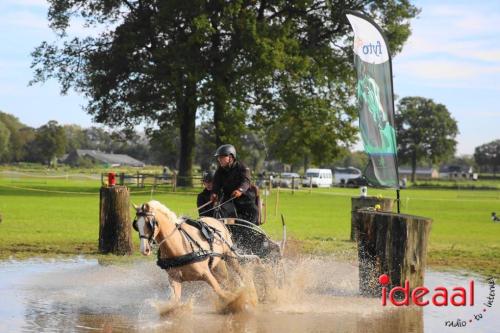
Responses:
[205,146]
[164,144]
[308,130]
[75,137]
[49,142]
[488,155]
[4,142]
[162,61]
[20,136]
[426,131]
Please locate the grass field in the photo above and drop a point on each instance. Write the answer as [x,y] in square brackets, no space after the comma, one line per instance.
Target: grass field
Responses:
[54,216]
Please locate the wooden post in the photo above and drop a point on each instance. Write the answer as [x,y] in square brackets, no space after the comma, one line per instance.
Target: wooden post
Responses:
[392,244]
[114,220]
[174,181]
[386,205]
[277,203]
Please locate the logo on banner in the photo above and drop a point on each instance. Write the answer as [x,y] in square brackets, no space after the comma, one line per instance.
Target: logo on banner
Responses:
[369,49]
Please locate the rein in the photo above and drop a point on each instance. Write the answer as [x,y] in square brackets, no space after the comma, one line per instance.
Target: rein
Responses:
[215,207]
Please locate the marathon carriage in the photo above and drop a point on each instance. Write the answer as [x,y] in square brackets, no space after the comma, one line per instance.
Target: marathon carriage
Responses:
[251,239]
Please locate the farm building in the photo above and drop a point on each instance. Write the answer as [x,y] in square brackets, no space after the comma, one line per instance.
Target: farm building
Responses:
[100,157]
[420,173]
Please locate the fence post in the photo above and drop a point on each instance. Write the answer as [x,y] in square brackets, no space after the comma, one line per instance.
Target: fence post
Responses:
[114,220]
[386,205]
[276,207]
[391,244]
[174,181]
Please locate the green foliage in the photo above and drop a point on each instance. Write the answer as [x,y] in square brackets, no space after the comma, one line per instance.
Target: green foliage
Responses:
[20,136]
[164,61]
[488,155]
[4,142]
[357,159]
[75,137]
[164,146]
[425,131]
[308,128]
[49,142]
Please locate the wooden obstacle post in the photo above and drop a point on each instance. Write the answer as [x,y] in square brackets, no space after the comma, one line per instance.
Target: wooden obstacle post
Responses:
[392,244]
[386,205]
[114,220]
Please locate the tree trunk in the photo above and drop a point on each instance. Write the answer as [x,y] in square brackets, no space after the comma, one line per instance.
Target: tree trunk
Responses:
[219,117]
[413,165]
[392,244]
[226,128]
[114,220]
[187,109]
[386,205]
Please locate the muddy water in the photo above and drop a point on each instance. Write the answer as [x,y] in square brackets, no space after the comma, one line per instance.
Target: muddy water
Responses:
[318,295]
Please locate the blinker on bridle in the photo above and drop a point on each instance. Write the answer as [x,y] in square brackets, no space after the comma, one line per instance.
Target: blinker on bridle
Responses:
[150,217]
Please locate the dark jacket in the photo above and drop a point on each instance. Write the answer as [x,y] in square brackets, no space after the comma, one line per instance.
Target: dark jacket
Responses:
[226,181]
[237,177]
[203,198]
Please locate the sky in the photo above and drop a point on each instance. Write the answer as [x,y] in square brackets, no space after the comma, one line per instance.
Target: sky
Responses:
[452,56]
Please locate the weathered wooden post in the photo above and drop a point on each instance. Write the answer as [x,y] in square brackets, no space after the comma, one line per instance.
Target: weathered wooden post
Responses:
[174,181]
[392,244]
[114,220]
[386,205]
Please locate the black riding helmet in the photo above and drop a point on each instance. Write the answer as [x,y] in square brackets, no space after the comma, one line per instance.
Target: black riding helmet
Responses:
[208,176]
[225,150]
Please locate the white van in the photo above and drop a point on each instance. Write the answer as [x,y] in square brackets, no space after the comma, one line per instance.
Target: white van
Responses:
[318,178]
[342,175]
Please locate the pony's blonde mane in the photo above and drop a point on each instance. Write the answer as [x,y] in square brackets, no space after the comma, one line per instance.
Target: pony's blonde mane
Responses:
[157,206]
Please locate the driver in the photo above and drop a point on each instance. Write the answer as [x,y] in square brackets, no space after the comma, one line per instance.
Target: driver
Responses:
[232,180]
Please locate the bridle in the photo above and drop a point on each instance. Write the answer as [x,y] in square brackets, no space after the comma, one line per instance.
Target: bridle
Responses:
[149,218]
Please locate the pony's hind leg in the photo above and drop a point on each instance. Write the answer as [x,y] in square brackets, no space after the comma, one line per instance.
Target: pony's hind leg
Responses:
[212,281]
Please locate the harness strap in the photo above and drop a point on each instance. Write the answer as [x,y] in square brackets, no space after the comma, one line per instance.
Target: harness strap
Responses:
[200,254]
[168,263]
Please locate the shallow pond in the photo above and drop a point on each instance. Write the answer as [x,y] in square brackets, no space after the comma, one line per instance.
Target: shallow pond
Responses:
[319,295]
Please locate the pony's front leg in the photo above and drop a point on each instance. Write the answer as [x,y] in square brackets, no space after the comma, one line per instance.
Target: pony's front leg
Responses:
[176,286]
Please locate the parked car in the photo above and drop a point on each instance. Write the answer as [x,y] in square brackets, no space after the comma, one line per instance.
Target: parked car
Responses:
[318,178]
[343,175]
[357,182]
[287,179]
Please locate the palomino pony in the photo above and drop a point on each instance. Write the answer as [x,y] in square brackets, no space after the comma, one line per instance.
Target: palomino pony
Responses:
[188,250]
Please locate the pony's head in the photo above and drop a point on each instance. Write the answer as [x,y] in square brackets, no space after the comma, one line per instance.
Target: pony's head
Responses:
[147,227]
[146,224]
